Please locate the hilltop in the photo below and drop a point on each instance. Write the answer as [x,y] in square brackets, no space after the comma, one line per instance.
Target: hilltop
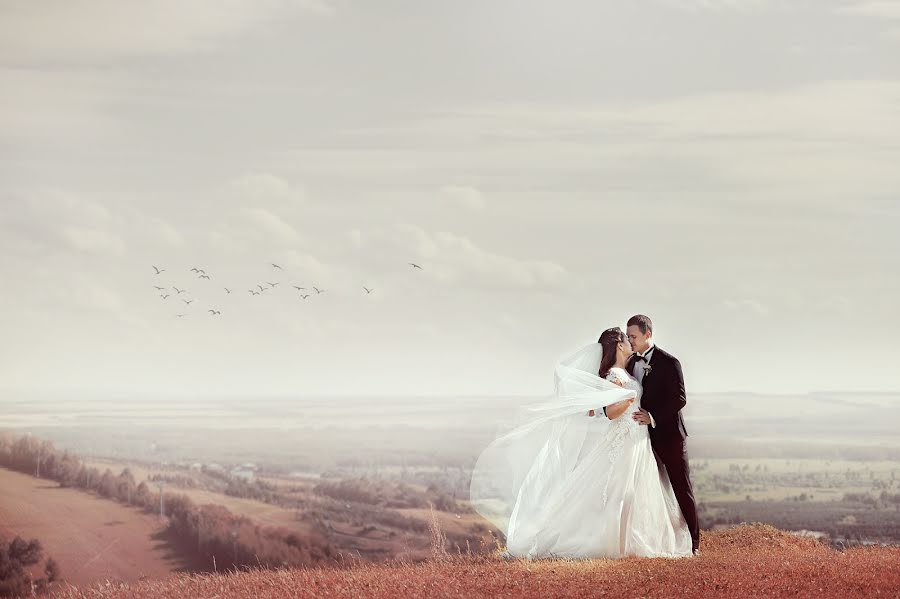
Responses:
[748,560]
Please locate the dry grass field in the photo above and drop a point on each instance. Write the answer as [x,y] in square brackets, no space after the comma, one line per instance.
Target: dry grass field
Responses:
[746,561]
[92,538]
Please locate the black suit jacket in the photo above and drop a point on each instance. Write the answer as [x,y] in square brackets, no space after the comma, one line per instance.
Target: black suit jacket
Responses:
[663,396]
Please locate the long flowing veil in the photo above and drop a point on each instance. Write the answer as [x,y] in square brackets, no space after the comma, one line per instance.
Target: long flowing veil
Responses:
[520,478]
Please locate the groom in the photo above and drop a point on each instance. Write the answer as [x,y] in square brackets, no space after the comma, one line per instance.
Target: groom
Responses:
[659,373]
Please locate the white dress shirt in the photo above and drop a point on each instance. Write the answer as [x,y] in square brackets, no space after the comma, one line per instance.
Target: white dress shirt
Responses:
[639,371]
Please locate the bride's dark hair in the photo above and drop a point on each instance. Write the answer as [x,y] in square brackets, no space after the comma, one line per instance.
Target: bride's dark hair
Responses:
[608,341]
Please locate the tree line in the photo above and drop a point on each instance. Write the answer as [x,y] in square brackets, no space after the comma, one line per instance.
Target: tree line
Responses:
[212,532]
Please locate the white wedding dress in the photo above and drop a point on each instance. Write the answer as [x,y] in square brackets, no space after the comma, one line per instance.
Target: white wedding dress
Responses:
[562,484]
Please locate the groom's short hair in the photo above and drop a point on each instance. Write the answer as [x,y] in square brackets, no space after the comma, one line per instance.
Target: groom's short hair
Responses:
[642,322]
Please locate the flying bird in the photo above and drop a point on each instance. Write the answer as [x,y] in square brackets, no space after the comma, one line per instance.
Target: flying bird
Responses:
[179,315]
[201,270]
[214,312]
[318,291]
[195,269]
[299,288]
[180,291]
[261,288]
[368,291]
[188,302]
[276,266]
[204,276]
[304,296]
[253,292]
[164,296]
[158,270]
[272,284]
[227,290]
[415,266]
[158,288]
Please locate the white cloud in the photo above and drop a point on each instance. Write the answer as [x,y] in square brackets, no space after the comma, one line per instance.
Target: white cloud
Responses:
[272,224]
[259,209]
[164,231]
[56,105]
[64,63]
[728,5]
[817,138]
[451,259]
[72,31]
[308,265]
[54,221]
[466,197]
[266,188]
[883,9]
[355,237]
[93,240]
[745,305]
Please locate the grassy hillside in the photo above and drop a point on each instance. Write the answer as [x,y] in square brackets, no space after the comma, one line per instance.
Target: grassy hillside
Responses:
[90,537]
[749,560]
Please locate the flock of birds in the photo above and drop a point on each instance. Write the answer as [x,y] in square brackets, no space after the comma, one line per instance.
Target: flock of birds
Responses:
[201,274]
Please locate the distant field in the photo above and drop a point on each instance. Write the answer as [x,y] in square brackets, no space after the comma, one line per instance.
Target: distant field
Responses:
[92,538]
[733,479]
[262,512]
[344,525]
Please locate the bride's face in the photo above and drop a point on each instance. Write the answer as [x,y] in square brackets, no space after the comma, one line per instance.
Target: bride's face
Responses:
[624,349]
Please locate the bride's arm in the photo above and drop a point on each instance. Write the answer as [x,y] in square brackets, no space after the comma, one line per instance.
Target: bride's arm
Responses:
[615,410]
[615,380]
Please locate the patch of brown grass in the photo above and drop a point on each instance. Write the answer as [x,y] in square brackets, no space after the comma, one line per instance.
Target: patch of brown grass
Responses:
[752,560]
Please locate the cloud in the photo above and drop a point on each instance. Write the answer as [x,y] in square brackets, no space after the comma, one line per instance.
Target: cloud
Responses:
[64,63]
[164,231]
[746,305]
[822,138]
[355,236]
[260,208]
[266,188]
[93,240]
[452,259]
[55,221]
[728,5]
[313,269]
[466,197]
[878,9]
[272,224]
[54,105]
[92,31]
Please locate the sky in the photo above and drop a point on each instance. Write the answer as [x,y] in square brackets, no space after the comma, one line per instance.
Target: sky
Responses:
[728,168]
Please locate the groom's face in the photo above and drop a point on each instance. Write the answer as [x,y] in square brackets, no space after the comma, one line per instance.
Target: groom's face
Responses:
[639,341]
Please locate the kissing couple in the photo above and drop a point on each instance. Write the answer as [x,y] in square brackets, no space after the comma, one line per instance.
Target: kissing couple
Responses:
[601,469]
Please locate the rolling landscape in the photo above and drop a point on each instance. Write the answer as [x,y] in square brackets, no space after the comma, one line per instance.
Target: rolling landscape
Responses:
[337,479]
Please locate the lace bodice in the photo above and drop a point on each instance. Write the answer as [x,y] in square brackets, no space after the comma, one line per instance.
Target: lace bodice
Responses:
[629,382]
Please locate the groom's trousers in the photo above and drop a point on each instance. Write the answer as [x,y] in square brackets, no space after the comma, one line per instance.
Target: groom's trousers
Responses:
[673,455]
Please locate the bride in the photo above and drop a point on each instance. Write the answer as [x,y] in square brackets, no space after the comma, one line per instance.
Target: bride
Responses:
[575,476]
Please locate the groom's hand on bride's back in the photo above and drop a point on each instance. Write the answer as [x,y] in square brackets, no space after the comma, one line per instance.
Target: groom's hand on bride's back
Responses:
[642,416]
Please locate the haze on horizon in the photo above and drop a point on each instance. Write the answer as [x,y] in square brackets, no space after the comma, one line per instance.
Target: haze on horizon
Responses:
[554,169]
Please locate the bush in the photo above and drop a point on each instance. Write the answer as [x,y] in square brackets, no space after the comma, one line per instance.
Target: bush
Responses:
[15,557]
